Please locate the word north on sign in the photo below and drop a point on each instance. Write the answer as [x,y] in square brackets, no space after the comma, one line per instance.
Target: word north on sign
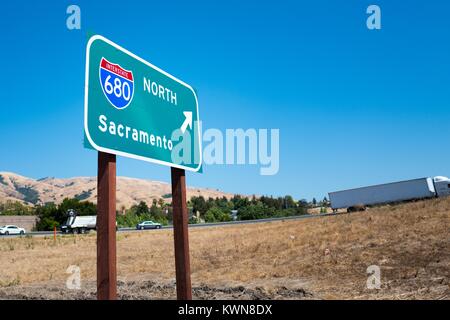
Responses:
[137,110]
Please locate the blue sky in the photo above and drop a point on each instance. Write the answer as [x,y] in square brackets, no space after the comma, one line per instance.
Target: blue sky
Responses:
[354,106]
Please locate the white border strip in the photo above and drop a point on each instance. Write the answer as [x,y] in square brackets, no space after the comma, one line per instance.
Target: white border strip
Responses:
[121,153]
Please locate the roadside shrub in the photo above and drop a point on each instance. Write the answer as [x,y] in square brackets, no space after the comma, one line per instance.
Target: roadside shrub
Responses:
[141,212]
[217,215]
[15,208]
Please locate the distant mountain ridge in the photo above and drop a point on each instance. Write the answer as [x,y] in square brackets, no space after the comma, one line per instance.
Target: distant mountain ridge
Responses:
[130,191]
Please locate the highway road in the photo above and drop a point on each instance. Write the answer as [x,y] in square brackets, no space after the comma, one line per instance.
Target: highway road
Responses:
[200,225]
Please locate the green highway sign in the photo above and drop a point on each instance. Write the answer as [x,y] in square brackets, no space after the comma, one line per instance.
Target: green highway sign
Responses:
[137,110]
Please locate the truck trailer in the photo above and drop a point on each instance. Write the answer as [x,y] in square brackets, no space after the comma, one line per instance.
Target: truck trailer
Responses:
[78,224]
[359,198]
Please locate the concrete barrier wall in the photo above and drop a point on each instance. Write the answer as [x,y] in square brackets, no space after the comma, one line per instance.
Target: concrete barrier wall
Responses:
[26,222]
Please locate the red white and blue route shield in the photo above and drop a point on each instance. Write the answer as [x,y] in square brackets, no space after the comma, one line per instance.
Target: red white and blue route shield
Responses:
[117,84]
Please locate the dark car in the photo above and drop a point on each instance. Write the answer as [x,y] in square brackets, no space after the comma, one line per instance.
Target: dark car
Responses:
[148,225]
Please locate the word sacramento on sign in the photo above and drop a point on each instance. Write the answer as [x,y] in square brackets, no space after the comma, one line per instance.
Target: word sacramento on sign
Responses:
[137,110]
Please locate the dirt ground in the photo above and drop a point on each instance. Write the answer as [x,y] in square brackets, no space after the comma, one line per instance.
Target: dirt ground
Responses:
[319,258]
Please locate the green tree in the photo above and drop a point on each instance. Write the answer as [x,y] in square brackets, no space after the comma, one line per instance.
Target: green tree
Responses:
[82,208]
[252,212]
[156,213]
[214,214]
[49,217]
[302,203]
[141,209]
[289,202]
[15,208]
[199,204]
[240,202]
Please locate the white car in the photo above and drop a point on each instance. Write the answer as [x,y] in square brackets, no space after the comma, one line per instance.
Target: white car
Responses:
[7,230]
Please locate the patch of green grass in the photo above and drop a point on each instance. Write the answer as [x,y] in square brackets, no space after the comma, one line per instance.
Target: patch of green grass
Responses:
[10,283]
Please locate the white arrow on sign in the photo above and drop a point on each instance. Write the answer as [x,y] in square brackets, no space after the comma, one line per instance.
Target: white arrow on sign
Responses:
[187,122]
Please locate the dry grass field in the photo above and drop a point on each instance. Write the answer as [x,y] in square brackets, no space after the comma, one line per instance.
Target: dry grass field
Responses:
[319,258]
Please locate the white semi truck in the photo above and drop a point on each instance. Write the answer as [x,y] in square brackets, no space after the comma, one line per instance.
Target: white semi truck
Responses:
[78,224]
[359,198]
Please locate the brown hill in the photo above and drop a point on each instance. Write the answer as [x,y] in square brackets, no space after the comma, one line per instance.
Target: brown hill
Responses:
[129,190]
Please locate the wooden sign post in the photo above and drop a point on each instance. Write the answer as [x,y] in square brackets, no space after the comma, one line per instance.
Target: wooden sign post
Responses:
[106,227]
[106,230]
[180,234]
